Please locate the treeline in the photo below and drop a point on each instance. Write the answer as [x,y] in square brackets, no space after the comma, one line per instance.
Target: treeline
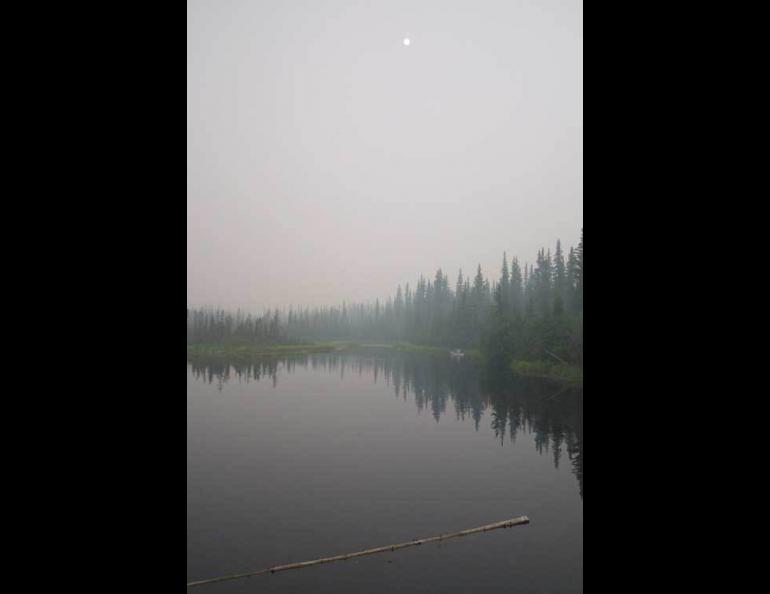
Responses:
[530,312]
[210,325]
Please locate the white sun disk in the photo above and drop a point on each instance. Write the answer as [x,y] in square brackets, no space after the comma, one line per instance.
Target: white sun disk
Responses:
[407,41]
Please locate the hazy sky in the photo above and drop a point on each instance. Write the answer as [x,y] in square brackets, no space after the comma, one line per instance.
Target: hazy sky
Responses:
[327,160]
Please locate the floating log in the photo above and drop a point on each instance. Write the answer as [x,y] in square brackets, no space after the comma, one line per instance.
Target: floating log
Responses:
[504,524]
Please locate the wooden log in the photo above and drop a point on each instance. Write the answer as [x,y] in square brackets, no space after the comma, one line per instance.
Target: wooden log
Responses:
[503,524]
[556,357]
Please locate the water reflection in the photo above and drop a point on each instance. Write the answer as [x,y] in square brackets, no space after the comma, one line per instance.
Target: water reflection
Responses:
[554,415]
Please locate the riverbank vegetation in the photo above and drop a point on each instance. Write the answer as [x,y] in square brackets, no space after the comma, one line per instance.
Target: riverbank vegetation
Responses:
[562,372]
[241,351]
[529,319]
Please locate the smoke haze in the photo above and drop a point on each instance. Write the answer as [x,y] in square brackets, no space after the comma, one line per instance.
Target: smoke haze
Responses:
[328,161]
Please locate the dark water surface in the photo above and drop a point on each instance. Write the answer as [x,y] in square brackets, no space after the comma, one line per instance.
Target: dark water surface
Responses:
[295,459]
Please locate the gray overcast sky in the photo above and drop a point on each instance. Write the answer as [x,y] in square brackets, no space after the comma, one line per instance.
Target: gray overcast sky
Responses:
[326,160]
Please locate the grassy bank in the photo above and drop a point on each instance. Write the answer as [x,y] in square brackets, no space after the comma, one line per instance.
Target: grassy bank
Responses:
[408,347]
[561,372]
[251,351]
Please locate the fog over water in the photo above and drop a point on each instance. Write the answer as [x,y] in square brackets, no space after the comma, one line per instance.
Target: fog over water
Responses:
[327,160]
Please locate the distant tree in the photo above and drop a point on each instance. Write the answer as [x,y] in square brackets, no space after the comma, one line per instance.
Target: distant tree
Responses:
[531,312]
[502,294]
[579,273]
[559,275]
[516,287]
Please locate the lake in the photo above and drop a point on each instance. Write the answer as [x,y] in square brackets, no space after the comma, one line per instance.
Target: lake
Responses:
[304,457]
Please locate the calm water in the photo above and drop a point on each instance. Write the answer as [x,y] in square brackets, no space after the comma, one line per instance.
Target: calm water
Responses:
[292,460]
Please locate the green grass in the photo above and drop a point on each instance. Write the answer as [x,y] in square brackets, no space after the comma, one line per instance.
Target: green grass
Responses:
[474,354]
[408,347]
[403,346]
[250,351]
[568,374]
[242,351]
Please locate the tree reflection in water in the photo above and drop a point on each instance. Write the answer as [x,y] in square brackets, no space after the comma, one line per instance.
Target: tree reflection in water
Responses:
[553,414]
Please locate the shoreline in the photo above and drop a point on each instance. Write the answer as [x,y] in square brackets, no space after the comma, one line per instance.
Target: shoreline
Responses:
[250,351]
[570,375]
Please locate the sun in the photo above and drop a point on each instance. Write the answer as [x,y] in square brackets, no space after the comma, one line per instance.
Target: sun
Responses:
[407,41]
